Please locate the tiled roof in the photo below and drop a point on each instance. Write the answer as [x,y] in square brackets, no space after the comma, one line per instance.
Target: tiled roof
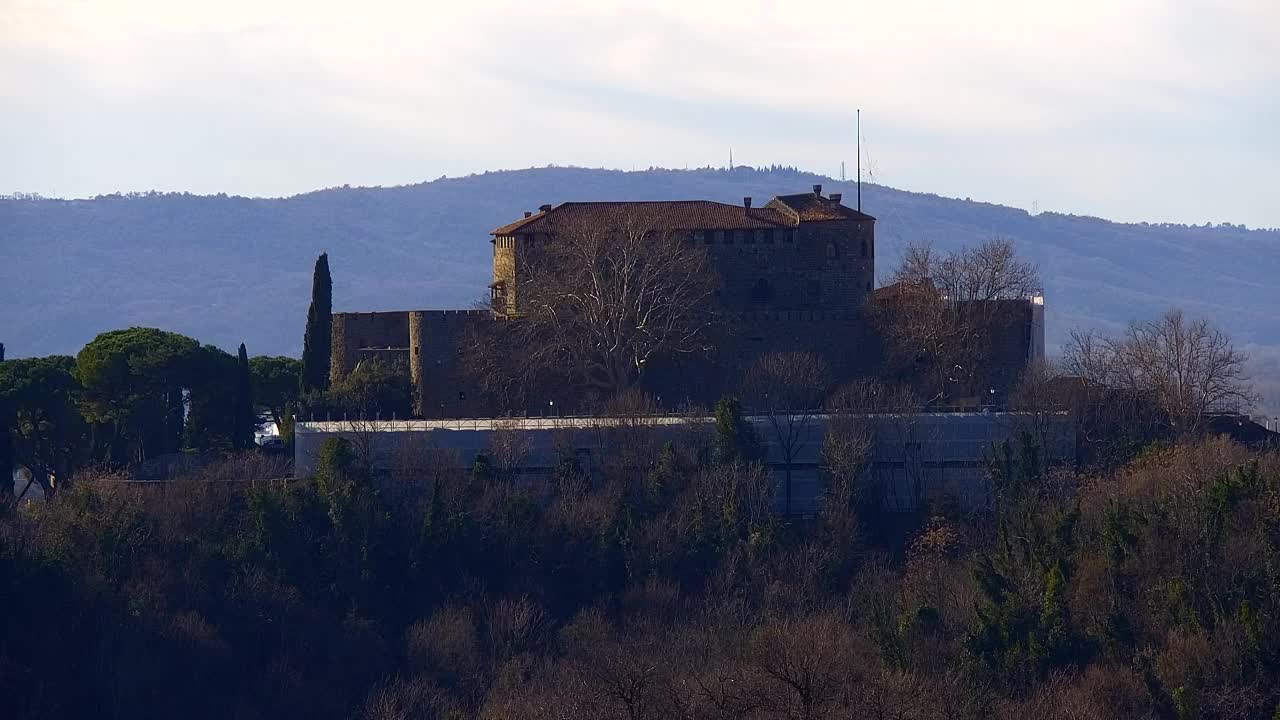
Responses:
[658,215]
[810,207]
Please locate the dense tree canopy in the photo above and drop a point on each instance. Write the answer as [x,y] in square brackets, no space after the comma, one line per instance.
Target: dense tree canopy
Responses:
[275,380]
[133,382]
[40,411]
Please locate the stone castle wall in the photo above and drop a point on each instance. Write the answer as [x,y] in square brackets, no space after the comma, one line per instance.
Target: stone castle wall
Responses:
[355,331]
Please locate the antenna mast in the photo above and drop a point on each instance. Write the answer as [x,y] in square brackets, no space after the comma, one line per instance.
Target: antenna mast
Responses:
[859,159]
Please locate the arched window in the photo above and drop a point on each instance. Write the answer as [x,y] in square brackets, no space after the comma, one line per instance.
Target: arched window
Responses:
[831,251]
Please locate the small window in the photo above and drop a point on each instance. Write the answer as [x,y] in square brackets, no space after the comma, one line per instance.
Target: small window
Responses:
[864,248]
[868,286]
[761,292]
[831,251]
[789,236]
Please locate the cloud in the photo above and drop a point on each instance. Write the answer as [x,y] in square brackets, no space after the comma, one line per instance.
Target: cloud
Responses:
[1038,94]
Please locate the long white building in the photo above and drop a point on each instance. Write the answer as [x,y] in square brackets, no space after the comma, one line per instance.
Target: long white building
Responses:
[917,457]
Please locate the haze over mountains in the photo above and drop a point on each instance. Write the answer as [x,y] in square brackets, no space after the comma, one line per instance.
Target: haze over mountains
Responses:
[230,269]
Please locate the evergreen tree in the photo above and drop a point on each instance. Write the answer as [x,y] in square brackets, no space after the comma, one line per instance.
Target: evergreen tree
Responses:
[315,343]
[244,421]
[735,438]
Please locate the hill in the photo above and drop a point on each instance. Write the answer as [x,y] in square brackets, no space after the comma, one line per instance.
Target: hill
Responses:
[230,269]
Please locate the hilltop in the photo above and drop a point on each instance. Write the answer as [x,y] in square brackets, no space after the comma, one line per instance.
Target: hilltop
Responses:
[227,269]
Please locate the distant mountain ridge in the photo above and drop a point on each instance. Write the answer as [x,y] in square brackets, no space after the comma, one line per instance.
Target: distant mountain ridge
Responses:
[230,269]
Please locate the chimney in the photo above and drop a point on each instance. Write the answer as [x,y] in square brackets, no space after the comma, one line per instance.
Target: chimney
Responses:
[835,197]
[544,208]
[746,203]
[817,189]
[528,214]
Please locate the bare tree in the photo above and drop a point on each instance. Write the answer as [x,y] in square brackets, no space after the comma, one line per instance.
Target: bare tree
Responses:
[856,412]
[942,310]
[607,295]
[1186,368]
[788,389]
[510,446]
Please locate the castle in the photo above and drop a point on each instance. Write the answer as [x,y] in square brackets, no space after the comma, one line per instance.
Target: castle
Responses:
[795,275]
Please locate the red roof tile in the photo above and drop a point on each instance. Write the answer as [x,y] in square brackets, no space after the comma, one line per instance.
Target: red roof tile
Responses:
[810,207]
[657,215]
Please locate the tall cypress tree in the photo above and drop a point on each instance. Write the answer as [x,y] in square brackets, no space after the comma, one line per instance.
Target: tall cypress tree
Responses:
[245,421]
[315,344]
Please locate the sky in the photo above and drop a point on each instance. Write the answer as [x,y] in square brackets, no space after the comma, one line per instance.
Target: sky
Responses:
[1132,110]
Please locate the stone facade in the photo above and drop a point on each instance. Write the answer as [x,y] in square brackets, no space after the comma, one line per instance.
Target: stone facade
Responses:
[798,252]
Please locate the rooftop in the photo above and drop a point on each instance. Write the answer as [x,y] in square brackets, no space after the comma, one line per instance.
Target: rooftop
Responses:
[784,211]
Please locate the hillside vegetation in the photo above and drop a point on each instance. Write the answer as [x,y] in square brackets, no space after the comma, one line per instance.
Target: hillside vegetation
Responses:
[667,590]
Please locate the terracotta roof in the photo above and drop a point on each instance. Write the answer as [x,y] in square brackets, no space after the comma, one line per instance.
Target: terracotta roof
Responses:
[658,215]
[901,289]
[810,207]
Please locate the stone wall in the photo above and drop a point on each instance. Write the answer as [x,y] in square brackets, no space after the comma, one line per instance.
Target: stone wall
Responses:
[441,386]
[357,331]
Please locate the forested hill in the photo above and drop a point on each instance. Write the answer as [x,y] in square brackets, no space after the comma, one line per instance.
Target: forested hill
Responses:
[226,269]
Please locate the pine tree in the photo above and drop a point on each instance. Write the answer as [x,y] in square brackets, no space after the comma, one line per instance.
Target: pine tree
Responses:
[315,344]
[244,422]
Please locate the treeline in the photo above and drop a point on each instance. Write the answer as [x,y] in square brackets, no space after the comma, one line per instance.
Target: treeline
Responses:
[663,588]
[131,395]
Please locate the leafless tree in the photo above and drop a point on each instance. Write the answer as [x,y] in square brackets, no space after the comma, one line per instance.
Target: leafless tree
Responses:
[941,311]
[808,667]
[788,389]
[627,437]
[600,300]
[861,414]
[1186,368]
[509,447]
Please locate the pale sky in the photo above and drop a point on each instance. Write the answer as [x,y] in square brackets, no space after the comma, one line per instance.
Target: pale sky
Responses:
[1126,109]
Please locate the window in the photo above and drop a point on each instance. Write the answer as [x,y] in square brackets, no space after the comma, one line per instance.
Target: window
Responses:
[707,236]
[728,237]
[768,236]
[761,292]
[831,251]
[789,235]
[864,248]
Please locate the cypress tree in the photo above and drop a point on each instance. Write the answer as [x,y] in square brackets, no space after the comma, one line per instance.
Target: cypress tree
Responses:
[244,421]
[315,343]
